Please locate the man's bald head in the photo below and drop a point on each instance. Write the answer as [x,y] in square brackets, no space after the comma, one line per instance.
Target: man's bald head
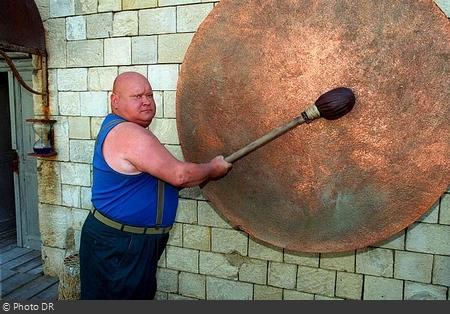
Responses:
[132,98]
[124,79]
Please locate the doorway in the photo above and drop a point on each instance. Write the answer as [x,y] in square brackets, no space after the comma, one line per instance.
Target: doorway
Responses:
[7,161]
[18,174]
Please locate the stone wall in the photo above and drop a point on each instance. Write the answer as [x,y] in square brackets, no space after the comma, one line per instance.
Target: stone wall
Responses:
[89,43]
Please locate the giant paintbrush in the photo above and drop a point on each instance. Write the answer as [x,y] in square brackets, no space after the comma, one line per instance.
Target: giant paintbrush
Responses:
[331,105]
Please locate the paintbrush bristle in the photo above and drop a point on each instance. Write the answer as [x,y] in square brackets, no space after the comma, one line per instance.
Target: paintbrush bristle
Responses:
[335,103]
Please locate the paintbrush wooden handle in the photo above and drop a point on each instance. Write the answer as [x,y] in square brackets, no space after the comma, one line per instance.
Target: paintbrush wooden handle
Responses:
[308,115]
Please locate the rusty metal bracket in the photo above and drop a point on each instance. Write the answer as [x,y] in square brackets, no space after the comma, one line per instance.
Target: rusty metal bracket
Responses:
[17,74]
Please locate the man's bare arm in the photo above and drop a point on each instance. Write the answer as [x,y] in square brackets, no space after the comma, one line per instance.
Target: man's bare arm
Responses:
[141,148]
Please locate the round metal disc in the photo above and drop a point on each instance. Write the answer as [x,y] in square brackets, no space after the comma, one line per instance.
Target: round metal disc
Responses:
[327,186]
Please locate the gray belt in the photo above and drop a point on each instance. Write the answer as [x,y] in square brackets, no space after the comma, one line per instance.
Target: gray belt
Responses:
[140,230]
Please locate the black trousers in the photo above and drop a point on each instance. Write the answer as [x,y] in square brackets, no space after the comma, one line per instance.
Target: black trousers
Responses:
[116,265]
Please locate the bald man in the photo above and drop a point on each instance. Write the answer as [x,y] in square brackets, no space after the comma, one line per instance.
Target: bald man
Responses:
[135,197]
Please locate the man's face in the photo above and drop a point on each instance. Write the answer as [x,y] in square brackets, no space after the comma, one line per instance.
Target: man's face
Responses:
[133,100]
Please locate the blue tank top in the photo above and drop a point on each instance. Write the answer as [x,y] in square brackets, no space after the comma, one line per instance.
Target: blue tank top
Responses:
[129,199]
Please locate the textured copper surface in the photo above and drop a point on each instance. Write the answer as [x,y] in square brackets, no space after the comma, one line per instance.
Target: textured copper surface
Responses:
[21,28]
[330,185]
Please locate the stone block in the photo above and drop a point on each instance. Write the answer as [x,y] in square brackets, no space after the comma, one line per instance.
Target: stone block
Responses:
[144,50]
[420,291]
[86,198]
[157,21]
[118,51]
[296,295]
[444,5]
[228,241]
[193,285]
[101,79]
[267,293]
[175,150]
[142,69]
[76,174]
[432,215]
[260,251]
[139,4]
[207,216]
[316,280]
[61,131]
[53,225]
[53,259]
[338,261]
[282,275]
[125,23]
[444,217]
[196,237]
[96,123]
[378,288]
[253,270]
[162,260]
[221,289]
[79,128]
[56,42]
[167,280]
[76,28]
[176,235]
[43,8]
[109,5]
[374,261]
[349,285]
[82,151]
[187,211]
[428,238]
[165,130]
[85,53]
[85,7]
[60,8]
[193,193]
[77,218]
[99,25]
[158,98]
[301,258]
[161,295]
[441,270]
[72,79]
[49,182]
[325,298]
[53,91]
[413,266]
[163,76]
[69,103]
[189,17]
[396,242]
[170,104]
[178,297]
[70,195]
[176,2]
[182,259]
[94,104]
[218,265]
[172,47]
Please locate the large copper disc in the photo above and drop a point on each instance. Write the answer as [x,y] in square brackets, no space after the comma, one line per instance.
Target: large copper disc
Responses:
[327,186]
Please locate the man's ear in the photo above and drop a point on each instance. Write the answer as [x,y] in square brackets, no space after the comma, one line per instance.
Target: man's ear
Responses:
[114,100]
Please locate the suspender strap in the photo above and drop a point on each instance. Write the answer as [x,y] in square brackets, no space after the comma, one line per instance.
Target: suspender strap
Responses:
[160,203]
[111,123]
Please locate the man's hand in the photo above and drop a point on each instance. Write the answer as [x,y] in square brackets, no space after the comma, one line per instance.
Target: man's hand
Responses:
[219,167]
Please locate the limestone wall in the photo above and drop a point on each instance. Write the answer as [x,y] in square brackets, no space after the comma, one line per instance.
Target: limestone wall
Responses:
[89,43]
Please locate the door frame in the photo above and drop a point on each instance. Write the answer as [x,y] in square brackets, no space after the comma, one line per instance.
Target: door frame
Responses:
[16,132]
